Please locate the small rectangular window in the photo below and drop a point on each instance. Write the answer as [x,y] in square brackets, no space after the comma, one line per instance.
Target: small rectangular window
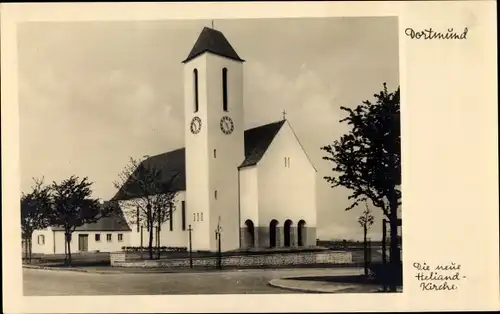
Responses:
[215,153]
[197,216]
[288,162]
[285,162]
[194,217]
[201,216]
[215,194]
[108,237]
[97,237]
[41,239]
[120,237]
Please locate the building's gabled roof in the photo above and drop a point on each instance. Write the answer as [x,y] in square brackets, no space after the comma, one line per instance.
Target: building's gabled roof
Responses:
[114,222]
[211,40]
[173,174]
[257,141]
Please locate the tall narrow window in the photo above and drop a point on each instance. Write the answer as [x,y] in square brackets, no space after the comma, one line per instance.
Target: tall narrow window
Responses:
[215,194]
[195,78]
[171,217]
[194,217]
[215,153]
[183,215]
[285,162]
[197,216]
[224,89]
[288,162]
[202,216]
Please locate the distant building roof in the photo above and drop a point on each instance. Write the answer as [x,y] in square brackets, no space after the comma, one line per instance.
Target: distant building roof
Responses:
[257,141]
[114,222]
[211,40]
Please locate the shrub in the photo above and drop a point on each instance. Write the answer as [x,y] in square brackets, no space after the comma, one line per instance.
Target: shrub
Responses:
[145,248]
[382,274]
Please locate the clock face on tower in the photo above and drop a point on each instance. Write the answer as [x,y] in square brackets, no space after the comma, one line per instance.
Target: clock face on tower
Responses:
[196,125]
[226,125]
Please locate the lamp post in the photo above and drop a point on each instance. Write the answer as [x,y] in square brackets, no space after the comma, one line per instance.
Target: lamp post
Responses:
[218,238]
[190,248]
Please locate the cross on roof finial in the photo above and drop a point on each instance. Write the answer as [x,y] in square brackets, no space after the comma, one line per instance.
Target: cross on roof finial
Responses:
[284,115]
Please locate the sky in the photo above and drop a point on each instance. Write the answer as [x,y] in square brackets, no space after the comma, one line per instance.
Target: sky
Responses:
[94,94]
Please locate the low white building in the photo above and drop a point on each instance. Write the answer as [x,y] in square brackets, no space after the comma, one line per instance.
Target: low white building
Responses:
[109,234]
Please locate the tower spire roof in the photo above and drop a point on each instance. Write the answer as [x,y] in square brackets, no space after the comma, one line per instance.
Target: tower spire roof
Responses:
[211,40]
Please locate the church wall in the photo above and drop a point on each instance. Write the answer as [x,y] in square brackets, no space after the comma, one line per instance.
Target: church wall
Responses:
[249,205]
[286,192]
[310,236]
[249,196]
[175,238]
[197,151]
[229,150]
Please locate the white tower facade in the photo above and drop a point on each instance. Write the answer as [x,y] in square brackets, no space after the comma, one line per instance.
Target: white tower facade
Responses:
[214,138]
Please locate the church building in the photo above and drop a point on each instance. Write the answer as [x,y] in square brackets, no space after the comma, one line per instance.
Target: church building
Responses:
[256,186]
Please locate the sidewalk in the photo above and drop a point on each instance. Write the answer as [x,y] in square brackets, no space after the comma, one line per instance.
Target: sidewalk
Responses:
[315,286]
[121,270]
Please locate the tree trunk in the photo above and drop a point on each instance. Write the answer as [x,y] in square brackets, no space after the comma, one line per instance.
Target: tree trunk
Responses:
[69,252]
[365,249]
[25,241]
[395,258]
[29,250]
[68,241]
[158,244]
[142,242]
[150,230]
[150,245]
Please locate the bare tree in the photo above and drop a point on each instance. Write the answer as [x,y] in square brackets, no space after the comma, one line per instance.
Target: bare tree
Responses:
[35,209]
[366,220]
[148,195]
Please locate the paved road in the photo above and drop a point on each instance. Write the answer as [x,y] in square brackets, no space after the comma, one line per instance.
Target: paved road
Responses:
[38,282]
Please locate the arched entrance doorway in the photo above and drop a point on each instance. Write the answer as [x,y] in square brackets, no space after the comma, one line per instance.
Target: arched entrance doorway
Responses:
[272,233]
[287,230]
[250,233]
[301,233]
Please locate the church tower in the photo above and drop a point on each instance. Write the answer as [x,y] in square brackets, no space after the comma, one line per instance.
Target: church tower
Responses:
[214,137]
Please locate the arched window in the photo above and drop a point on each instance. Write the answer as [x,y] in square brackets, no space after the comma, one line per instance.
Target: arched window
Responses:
[288,232]
[301,233]
[195,78]
[273,233]
[224,89]
[250,233]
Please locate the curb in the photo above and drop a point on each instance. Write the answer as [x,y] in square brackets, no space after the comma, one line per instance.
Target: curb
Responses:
[277,283]
[274,284]
[56,268]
